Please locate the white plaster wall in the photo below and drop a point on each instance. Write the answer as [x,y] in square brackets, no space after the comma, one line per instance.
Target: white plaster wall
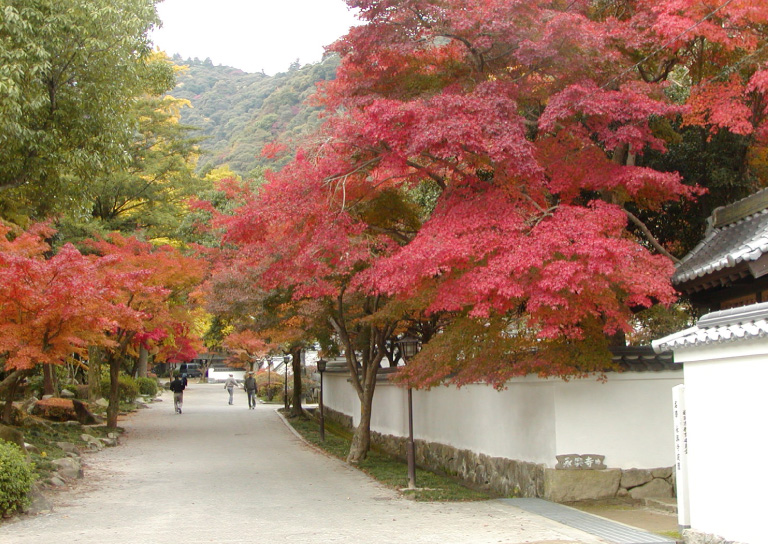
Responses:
[516,423]
[339,395]
[726,411]
[222,375]
[628,418]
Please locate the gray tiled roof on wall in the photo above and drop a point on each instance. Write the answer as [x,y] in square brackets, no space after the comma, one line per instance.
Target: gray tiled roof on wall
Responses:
[739,233]
[743,323]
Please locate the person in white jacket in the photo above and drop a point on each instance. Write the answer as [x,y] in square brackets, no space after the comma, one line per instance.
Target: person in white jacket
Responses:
[230,385]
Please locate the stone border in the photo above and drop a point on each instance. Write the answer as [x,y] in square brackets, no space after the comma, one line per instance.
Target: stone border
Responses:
[512,478]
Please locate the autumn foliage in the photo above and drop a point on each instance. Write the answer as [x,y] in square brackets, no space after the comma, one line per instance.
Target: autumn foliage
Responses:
[480,159]
[53,305]
[481,175]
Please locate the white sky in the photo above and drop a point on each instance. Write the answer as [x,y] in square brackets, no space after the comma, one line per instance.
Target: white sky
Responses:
[252,34]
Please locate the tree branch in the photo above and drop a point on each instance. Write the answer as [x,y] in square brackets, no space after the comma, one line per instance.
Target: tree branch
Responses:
[650,237]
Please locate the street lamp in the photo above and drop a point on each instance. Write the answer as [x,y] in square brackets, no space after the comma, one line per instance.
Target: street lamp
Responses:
[321,363]
[286,358]
[409,347]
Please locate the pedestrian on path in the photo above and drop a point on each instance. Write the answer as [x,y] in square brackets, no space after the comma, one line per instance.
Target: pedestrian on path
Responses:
[230,385]
[178,386]
[251,390]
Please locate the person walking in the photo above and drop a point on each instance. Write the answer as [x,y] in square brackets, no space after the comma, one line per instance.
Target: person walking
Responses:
[178,386]
[251,390]
[230,385]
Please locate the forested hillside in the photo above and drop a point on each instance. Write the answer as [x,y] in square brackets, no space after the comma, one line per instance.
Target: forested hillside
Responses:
[238,113]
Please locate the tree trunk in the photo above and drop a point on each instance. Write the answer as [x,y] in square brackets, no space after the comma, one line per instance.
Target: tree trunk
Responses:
[361,439]
[48,385]
[296,407]
[143,360]
[9,396]
[114,393]
[8,381]
[95,357]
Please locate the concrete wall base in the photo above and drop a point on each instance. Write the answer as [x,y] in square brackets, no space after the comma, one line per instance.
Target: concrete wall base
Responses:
[514,478]
[691,536]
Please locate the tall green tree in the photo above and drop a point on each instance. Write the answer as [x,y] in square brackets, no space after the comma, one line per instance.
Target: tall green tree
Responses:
[69,72]
[149,193]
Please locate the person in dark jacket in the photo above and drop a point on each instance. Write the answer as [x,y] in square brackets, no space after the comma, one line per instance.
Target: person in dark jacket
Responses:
[178,386]
[251,390]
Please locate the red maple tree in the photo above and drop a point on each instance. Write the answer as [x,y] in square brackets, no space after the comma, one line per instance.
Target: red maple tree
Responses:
[163,279]
[476,162]
[54,306]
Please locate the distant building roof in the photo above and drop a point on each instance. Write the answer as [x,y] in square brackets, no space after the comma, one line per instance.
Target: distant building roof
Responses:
[642,359]
[733,248]
[741,323]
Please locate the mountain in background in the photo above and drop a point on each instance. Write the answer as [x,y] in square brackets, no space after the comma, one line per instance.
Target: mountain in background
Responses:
[238,113]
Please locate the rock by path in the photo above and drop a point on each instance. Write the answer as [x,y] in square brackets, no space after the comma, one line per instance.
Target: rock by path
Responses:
[225,474]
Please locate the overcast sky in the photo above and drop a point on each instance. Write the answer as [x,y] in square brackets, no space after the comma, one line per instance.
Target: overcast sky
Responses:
[252,35]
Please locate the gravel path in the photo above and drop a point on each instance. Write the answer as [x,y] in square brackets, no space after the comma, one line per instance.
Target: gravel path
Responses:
[226,474]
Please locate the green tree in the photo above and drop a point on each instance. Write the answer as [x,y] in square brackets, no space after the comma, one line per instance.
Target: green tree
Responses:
[69,72]
[150,192]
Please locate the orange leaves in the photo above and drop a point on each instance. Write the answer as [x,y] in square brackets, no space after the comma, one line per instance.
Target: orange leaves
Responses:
[721,106]
[52,307]
[154,282]
[247,342]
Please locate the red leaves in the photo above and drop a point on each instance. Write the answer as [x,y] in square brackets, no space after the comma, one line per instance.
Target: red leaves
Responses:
[526,118]
[52,307]
[722,106]
[614,117]
[487,253]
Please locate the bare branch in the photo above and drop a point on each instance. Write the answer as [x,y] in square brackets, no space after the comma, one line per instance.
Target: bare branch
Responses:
[650,237]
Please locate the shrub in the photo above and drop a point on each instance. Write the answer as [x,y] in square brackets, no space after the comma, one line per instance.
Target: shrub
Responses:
[16,478]
[127,388]
[81,392]
[55,409]
[147,386]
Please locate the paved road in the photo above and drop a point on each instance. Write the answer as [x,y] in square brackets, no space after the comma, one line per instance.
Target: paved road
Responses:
[226,474]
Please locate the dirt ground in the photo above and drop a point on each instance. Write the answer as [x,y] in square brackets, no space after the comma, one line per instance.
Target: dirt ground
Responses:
[225,474]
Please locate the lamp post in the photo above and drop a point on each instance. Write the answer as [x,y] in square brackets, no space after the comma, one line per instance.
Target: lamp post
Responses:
[286,358]
[321,368]
[269,379]
[409,347]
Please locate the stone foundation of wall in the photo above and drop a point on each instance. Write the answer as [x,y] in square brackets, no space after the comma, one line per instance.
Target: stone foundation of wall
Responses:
[511,478]
[695,537]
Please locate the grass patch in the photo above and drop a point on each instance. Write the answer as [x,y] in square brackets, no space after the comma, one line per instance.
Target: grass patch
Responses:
[45,435]
[386,469]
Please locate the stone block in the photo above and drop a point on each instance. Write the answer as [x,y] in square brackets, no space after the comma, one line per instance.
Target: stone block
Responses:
[92,442]
[84,415]
[68,468]
[635,477]
[656,488]
[55,481]
[39,503]
[581,485]
[665,473]
[109,442]
[68,447]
